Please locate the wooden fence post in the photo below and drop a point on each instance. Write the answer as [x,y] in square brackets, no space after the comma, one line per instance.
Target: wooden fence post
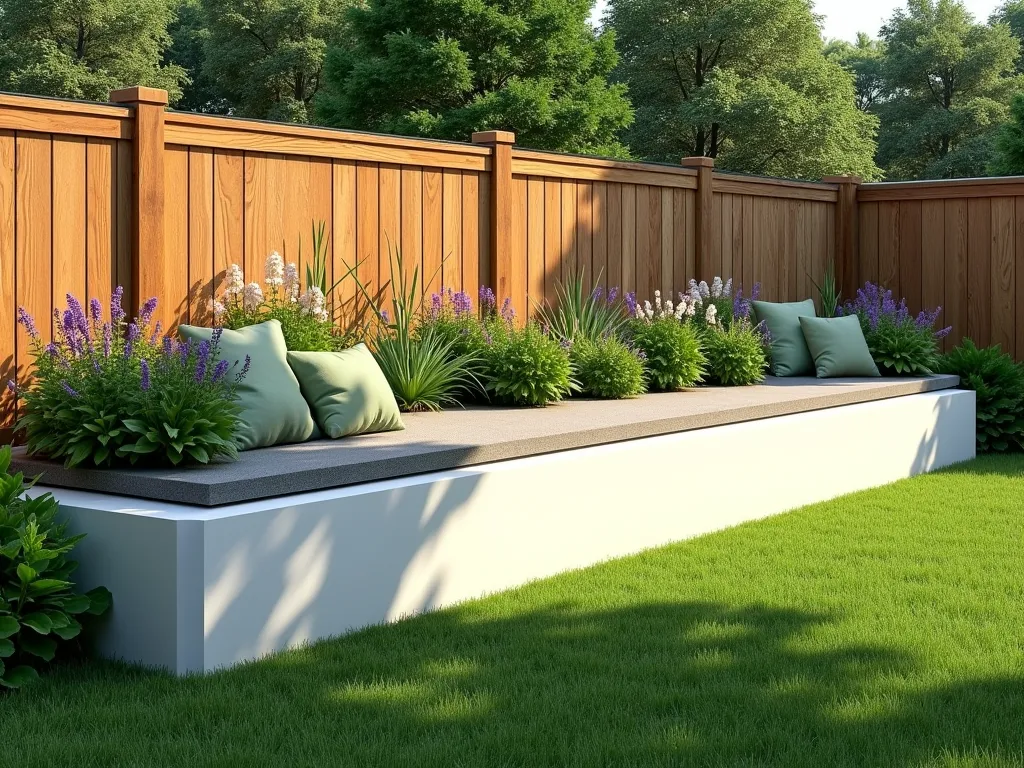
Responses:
[847,233]
[147,193]
[704,209]
[500,143]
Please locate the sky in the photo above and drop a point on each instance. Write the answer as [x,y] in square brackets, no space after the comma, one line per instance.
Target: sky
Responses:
[845,18]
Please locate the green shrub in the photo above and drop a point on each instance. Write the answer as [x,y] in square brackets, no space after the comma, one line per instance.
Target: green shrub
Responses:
[672,353]
[524,366]
[999,386]
[580,314]
[736,355]
[38,607]
[107,392]
[608,368]
[901,345]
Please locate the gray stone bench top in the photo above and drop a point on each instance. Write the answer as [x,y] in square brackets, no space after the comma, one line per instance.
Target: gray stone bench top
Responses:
[460,438]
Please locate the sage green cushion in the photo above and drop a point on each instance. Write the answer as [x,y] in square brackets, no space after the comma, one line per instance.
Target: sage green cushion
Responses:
[838,346]
[790,356]
[347,391]
[273,409]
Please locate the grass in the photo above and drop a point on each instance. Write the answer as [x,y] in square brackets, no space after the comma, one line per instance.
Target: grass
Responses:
[885,628]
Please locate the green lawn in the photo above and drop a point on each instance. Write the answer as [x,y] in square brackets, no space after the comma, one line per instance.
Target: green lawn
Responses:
[882,629]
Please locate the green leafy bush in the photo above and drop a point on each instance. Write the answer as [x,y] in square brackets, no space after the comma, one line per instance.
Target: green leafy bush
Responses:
[999,386]
[672,353]
[106,393]
[38,608]
[608,368]
[524,366]
[900,344]
[580,314]
[735,355]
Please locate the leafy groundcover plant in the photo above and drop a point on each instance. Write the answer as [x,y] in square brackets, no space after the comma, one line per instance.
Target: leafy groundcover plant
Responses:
[608,368]
[39,610]
[112,392]
[901,345]
[998,382]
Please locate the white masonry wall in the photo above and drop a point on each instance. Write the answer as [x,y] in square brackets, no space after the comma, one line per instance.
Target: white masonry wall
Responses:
[196,589]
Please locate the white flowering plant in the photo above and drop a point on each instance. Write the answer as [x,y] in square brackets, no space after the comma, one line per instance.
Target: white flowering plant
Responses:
[304,315]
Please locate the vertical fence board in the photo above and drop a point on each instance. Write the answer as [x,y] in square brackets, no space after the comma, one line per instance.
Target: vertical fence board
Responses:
[174,280]
[889,245]
[471,236]
[535,245]
[568,258]
[667,277]
[614,232]
[910,252]
[390,244]
[644,251]
[600,229]
[229,214]
[451,229]
[955,277]
[344,251]
[368,230]
[200,236]
[552,238]
[33,276]
[8,301]
[69,218]
[1003,274]
[412,225]
[868,245]
[1018,244]
[585,231]
[101,219]
[433,223]
[125,224]
[979,244]
[933,255]
[629,238]
[518,278]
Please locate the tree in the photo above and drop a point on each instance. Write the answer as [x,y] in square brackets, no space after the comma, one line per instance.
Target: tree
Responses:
[742,81]
[188,43]
[83,49]
[1008,155]
[864,59]
[447,68]
[265,57]
[951,81]
[1011,13]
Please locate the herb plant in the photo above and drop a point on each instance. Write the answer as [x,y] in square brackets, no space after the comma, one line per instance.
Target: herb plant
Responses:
[608,368]
[671,350]
[524,366]
[39,610]
[900,344]
[736,355]
[998,382]
[105,393]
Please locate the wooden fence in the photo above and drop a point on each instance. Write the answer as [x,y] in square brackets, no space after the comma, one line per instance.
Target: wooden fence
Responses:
[98,195]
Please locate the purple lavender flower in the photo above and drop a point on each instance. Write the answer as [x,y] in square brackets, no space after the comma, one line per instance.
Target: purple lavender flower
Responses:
[462,304]
[385,316]
[78,313]
[631,303]
[96,366]
[436,303]
[944,332]
[215,338]
[184,351]
[95,311]
[108,338]
[597,293]
[69,328]
[146,312]
[245,369]
[158,330]
[67,388]
[487,300]
[202,358]
[219,371]
[51,349]
[613,294]
[144,383]
[508,312]
[116,313]
[25,319]
[130,338]
[755,294]
[168,346]
[12,387]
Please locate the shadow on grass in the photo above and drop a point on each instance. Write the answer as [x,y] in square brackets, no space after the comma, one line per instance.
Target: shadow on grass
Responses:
[651,684]
[1009,465]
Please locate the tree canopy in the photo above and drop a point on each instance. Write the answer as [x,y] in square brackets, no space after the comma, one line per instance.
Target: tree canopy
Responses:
[743,81]
[865,59]
[266,57]
[83,49]
[447,68]
[950,81]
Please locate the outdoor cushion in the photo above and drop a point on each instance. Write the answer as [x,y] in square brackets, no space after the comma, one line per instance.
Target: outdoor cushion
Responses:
[347,391]
[273,409]
[838,346]
[790,356]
